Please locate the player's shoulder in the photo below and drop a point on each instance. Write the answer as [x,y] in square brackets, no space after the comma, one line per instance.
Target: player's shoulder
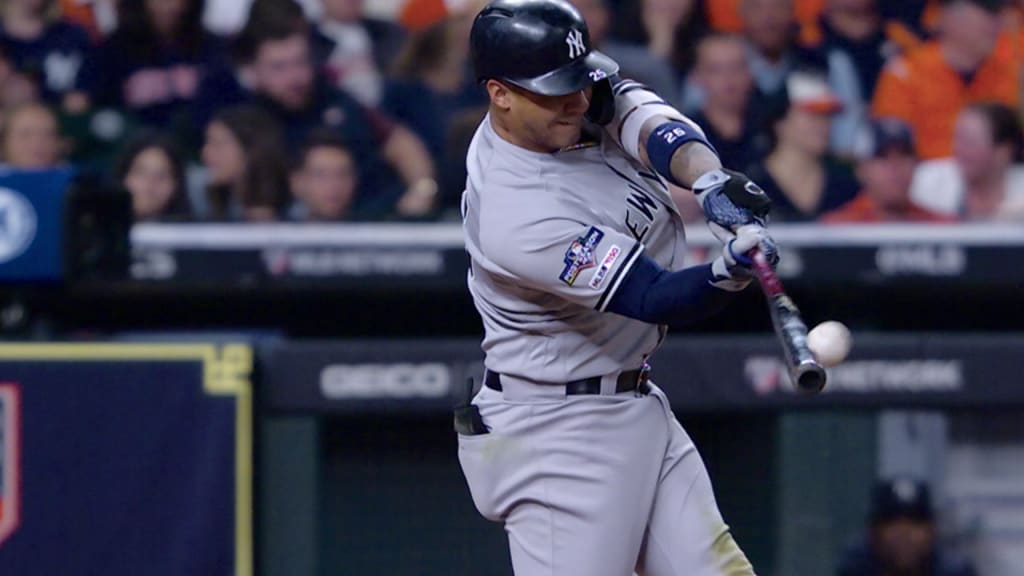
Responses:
[512,209]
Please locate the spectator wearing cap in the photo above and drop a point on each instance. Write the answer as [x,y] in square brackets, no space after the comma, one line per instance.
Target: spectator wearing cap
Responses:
[323,180]
[46,48]
[727,114]
[396,171]
[929,86]
[797,173]
[984,180]
[885,170]
[659,69]
[901,536]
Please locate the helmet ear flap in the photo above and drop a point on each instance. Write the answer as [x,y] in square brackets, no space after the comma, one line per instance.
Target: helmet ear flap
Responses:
[602,101]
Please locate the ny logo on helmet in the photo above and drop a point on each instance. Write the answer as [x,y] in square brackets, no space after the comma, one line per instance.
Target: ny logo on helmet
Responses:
[575,41]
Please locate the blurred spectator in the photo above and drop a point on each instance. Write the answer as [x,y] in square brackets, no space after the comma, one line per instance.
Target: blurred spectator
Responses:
[97,17]
[152,169]
[885,171]
[358,49]
[420,14]
[797,174]
[49,50]
[984,179]
[928,87]
[771,30]
[31,138]
[429,88]
[323,182]
[635,61]
[928,13]
[665,31]
[909,22]
[727,116]
[152,64]
[901,537]
[228,80]
[851,36]
[278,70]
[724,15]
[246,170]
[460,135]
[15,87]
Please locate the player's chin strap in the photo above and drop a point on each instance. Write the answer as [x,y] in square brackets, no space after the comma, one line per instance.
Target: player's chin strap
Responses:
[602,102]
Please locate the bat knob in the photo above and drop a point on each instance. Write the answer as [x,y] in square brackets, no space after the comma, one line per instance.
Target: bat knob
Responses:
[809,377]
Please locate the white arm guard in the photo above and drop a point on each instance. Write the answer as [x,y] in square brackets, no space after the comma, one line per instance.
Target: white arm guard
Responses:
[635,104]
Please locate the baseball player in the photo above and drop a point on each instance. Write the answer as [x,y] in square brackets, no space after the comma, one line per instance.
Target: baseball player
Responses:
[577,269]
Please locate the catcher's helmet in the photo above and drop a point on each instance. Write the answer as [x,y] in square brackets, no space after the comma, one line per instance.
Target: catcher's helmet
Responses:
[539,45]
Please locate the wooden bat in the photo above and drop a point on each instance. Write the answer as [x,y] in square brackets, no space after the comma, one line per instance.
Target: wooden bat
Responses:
[808,376]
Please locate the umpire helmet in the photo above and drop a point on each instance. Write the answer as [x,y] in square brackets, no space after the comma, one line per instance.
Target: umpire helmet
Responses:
[539,45]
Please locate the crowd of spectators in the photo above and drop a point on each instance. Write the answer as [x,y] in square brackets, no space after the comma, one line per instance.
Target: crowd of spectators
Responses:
[261,110]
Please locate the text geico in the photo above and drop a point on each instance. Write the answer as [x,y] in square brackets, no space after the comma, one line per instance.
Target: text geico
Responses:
[404,380]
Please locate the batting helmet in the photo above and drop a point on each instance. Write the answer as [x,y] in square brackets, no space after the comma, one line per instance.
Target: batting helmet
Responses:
[539,45]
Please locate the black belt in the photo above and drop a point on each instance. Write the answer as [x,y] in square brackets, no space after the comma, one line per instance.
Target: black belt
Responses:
[627,382]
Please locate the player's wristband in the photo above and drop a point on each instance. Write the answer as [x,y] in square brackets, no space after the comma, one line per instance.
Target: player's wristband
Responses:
[666,139]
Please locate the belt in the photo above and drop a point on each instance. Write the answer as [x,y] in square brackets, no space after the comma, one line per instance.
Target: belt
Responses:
[627,382]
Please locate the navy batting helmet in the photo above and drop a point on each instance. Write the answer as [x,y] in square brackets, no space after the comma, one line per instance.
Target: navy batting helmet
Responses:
[539,45]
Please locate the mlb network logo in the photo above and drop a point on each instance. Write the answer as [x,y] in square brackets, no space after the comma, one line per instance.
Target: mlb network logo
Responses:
[10,459]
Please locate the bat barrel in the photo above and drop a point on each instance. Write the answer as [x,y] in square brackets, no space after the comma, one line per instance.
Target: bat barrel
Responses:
[809,377]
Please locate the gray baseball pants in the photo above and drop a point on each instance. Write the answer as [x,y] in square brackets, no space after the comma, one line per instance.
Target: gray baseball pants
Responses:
[595,485]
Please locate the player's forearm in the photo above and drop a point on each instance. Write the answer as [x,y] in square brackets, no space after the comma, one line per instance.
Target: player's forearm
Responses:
[652,294]
[688,163]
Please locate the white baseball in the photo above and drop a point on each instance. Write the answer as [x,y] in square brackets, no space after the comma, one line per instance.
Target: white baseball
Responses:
[829,342]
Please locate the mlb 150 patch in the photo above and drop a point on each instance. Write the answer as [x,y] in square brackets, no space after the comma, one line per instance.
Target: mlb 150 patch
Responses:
[580,255]
[606,264]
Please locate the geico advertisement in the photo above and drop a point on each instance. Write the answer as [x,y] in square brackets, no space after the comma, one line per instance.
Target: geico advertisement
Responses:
[400,380]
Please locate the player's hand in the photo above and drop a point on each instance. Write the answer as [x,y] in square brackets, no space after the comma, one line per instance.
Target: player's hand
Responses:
[730,200]
[733,270]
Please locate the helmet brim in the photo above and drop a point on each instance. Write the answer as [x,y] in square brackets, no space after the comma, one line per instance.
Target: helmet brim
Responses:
[573,77]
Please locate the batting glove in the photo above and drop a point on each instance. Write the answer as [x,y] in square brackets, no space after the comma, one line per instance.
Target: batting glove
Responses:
[730,200]
[733,270]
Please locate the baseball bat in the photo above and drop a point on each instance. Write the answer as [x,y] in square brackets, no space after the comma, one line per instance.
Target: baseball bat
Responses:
[808,376]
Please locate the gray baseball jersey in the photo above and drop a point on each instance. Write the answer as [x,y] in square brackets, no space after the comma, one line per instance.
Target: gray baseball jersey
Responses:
[588,485]
[550,237]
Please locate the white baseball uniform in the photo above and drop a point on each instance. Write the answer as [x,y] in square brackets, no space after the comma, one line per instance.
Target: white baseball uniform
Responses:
[586,485]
